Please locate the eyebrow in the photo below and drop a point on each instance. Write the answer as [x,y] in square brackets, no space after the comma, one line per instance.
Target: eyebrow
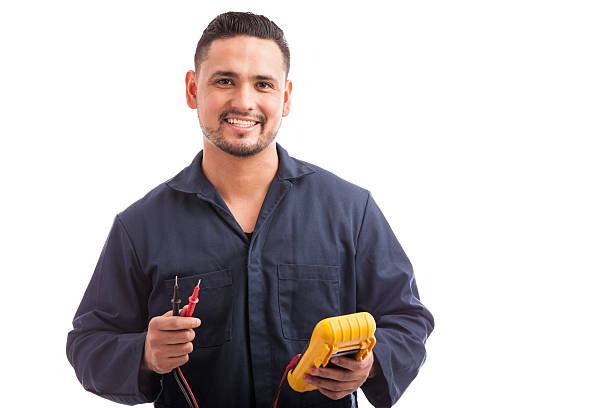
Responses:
[232,74]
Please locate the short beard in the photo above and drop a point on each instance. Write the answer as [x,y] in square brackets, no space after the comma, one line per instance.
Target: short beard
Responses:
[240,150]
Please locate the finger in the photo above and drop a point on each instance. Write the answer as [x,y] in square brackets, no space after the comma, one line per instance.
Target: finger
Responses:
[331,385]
[177,336]
[335,395]
[157,321]
[174,362]
[177,350]
[337,374]
[350,363]
[183,311]
[178,323]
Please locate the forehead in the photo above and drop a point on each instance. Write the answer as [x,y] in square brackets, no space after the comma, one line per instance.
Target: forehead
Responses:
[244,55]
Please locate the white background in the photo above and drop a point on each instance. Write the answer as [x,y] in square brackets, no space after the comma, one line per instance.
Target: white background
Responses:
[481,128]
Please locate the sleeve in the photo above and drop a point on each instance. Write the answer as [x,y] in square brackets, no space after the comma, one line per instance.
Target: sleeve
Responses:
[107,342]
[386,288]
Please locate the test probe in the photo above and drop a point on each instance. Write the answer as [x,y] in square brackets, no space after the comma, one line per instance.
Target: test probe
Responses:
[351,334]
[178,374]
[176,302]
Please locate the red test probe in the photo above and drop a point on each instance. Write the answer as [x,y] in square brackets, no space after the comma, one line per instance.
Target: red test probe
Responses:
[180,378]
[193,299]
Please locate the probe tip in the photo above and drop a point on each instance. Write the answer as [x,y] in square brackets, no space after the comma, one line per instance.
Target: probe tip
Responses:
[200,280]
[176,280]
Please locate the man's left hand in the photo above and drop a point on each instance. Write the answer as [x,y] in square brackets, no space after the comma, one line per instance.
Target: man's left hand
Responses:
[336,383]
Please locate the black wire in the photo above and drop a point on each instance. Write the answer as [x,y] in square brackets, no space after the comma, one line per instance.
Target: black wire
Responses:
[176,304]
[183,390]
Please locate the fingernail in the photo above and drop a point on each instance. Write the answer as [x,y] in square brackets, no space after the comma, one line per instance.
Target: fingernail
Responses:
[335,360]
[314,371]
[306,378]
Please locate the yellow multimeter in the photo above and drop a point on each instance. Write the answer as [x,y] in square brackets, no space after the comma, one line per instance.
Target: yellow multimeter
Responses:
[334,336]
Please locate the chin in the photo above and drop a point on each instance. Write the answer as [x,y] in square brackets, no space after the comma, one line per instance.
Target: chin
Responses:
[239,149]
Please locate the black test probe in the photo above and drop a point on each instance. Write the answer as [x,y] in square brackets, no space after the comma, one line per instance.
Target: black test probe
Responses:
[178,374]
[176,302]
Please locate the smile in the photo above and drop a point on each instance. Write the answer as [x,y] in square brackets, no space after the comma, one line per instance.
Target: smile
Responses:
[243,124]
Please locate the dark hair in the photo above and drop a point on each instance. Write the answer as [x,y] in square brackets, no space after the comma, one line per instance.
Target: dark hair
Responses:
[232,24]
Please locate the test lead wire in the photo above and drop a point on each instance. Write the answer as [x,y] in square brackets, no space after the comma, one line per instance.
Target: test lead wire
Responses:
[182,387]
[176,303]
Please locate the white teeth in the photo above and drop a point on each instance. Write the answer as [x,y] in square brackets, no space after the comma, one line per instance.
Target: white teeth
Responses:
[241,123]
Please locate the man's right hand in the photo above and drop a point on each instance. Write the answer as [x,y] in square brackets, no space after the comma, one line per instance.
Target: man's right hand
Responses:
[168,342]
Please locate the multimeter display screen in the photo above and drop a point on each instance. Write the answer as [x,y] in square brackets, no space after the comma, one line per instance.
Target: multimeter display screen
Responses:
[347,353]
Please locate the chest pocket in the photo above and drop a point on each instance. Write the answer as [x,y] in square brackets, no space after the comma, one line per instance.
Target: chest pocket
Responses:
[214,308]
[306,295]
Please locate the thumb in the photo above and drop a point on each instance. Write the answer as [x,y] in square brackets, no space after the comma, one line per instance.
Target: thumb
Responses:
[183,311]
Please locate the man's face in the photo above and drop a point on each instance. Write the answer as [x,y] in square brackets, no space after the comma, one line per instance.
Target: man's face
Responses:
[240,93]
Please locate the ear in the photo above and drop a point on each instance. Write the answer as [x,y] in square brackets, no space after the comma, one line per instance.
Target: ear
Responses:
[190,89]
[287,98]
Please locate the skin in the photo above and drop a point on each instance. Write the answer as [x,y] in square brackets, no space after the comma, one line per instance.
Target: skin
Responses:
[241,166]
[168,342]
[336,383]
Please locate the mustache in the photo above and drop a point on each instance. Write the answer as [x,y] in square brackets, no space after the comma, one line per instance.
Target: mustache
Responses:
[256,117]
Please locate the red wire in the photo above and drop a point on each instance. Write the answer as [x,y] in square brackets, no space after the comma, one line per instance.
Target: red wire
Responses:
[187,385]
[193,299]
[292,363]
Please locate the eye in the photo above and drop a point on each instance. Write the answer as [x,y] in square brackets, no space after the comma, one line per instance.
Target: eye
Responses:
[265,84]
[221,81]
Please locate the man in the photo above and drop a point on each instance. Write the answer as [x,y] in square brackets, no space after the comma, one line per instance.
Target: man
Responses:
[277,243]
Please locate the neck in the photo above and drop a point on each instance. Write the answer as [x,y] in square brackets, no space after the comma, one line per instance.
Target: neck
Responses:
[240,178]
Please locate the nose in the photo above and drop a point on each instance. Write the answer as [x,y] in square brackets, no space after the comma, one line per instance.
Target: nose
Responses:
[244,98]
